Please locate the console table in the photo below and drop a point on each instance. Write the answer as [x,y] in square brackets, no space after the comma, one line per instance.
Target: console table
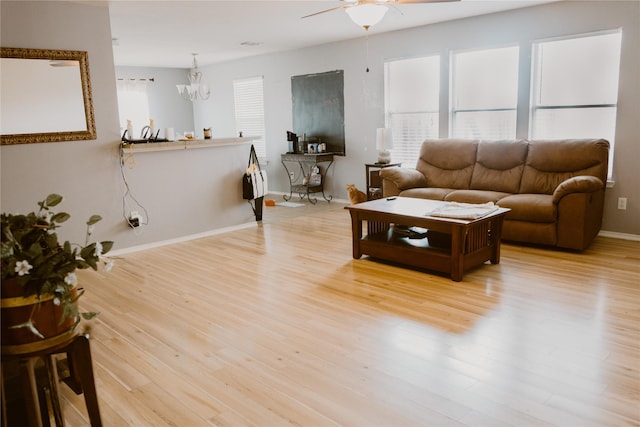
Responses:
[302,179]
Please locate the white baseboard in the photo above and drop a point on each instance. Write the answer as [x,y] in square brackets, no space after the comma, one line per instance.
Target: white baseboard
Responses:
[623,236]
[209,233]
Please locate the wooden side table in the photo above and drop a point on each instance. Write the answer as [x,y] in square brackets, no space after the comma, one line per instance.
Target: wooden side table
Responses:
[374,182]
[80,379]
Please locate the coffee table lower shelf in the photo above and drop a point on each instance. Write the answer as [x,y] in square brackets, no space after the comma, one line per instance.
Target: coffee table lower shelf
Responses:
[420,253]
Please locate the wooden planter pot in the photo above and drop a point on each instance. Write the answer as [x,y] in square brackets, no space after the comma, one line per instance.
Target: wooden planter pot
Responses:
[46,317]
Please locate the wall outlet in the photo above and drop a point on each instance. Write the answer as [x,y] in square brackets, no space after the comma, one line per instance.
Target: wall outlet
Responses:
[622,203]
[134,220]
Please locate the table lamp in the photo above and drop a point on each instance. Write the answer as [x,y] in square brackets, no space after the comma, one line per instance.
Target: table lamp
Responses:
[384,141]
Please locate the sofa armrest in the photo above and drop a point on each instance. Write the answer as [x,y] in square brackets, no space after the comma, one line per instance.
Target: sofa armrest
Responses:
[404,178]
[577,184]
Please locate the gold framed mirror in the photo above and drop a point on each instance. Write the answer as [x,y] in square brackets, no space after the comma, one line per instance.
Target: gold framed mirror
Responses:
[46,96]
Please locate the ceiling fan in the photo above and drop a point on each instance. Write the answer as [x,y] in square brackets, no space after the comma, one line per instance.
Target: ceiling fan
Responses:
[366,13]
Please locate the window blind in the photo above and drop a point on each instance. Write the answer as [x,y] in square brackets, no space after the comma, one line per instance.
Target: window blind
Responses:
[484,94]
[412,91]
[249,111]
[575,88]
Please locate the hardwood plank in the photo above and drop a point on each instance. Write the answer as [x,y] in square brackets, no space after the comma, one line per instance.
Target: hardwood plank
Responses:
[278,325]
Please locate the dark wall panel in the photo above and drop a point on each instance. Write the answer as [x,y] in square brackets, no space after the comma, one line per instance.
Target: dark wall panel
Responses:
[318,108]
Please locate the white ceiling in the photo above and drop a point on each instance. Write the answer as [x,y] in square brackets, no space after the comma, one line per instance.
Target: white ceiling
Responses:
[154,33]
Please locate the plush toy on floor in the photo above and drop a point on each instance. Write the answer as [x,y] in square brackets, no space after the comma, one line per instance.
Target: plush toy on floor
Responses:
[355,196]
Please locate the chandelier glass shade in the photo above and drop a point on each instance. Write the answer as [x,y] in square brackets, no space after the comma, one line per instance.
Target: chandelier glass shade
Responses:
[367,14]
[196,89]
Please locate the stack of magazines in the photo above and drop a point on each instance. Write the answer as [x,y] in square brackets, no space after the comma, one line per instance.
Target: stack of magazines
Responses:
[464,210]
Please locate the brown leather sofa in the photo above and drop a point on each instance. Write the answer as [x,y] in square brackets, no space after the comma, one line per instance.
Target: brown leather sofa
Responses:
[555,189]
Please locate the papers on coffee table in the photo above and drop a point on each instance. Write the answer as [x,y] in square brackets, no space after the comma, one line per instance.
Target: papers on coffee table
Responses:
[458,210]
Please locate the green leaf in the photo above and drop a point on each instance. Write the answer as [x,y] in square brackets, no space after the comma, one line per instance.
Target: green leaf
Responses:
[51,240]
[89,315]
[77,297]
[88,251]
[88,255]
[106,246]
[34,251]
[7,250]
[53,199]
[94,219]
[60,217]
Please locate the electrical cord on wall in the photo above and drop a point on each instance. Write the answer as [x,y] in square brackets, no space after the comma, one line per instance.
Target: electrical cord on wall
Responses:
[126,206]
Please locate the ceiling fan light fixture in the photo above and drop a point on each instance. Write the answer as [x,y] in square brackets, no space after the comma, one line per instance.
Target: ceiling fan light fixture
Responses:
[367,14]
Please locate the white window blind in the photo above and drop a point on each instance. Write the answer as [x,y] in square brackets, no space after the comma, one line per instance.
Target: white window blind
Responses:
[133,104]
[575,88]
[484,93]
[412,90]
[249,109]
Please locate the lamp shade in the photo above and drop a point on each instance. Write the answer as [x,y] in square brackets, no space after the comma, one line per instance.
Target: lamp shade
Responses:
[384,139]
[366,15]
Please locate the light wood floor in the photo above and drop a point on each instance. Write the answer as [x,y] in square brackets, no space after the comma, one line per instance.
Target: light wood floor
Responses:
[277,325]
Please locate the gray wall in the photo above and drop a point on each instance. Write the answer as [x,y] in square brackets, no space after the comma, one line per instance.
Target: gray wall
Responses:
[197,191]
[83,172]
[364,103]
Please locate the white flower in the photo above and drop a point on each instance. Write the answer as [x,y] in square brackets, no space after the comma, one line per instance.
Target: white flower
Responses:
[56,301]
[70,278]
[108,265]
[23,267]
[90,229]
[46,216]
[98,251]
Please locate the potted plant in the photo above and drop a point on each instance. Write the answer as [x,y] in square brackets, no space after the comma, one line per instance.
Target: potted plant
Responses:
[39,282]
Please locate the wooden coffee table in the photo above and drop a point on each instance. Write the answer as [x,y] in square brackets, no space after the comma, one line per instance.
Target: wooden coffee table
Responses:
[400,230]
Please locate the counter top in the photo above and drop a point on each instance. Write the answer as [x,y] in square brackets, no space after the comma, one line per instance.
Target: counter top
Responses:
[186,144]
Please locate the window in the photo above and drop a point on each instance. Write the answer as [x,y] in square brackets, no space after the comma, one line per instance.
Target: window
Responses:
[133,104]
[412,90]
[575,88]
[249,106]
[484,93]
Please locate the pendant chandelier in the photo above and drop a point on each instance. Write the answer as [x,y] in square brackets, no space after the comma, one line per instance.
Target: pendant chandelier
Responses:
[195,89]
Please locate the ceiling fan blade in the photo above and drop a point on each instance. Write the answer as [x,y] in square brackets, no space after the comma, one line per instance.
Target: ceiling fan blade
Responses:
[324,11]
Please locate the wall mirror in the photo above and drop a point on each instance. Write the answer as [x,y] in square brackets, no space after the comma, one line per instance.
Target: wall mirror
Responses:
[46,96]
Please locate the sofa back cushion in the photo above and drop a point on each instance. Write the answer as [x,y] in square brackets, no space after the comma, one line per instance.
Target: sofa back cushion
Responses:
[499,166]
[447,163]
[549,162]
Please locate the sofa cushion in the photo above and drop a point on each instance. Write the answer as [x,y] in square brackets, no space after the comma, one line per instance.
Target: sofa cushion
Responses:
[530,207]
[427,193]
[447,163]
[550,162]
[475,196]
[499,166]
